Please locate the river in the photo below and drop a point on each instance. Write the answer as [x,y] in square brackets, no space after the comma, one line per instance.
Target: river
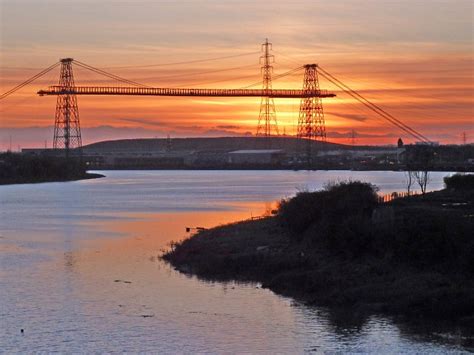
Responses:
[80,270]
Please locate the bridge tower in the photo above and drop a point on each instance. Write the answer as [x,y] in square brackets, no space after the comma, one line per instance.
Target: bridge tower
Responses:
[67,130]
[311,119]
[267,116]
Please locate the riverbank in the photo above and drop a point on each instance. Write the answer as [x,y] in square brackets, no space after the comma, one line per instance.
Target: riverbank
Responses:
[86,176]
[24,169]
[341,249]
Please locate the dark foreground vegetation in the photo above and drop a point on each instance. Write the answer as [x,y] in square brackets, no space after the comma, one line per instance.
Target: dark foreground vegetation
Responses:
[343,249]
[18,169]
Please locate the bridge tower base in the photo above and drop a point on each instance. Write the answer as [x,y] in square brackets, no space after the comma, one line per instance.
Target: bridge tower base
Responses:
[67,130]
[311,125]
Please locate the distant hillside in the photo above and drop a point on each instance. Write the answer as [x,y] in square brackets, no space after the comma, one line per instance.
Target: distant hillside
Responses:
[223,144]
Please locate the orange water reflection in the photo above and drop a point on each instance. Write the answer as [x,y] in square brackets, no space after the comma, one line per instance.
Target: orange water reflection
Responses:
[123,281]
[156,231]
[145,236]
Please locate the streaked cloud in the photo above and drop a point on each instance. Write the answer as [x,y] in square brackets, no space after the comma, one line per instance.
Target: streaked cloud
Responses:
[350,116]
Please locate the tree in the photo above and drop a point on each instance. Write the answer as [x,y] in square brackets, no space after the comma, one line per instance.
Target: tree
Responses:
[422,178]
[409,180]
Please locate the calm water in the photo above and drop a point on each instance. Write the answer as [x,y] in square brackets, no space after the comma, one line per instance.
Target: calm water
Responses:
[80,273]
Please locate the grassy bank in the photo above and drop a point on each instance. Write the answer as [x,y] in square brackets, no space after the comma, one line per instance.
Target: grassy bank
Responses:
[341,248]
[21,169]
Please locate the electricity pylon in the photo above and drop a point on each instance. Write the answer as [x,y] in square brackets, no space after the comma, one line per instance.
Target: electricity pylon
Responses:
[267,116]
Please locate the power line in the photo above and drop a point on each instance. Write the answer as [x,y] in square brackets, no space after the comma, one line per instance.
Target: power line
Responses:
[149,65]
[290,59]
[184,62]
[204,72]
[216,81]
[19,68]
[134,83]
[289,72]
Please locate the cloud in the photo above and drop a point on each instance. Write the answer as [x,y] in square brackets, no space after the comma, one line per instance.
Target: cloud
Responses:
[227,127]
[350,116]
[143,121]
[222,132]
[348,134]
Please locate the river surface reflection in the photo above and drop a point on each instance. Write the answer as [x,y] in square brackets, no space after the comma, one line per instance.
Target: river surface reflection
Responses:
[80,270]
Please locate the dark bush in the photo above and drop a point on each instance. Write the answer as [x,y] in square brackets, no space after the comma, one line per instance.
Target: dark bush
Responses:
[352,198]
[299,212]
[460,182]
[329,206]
[427,237]
[352,237]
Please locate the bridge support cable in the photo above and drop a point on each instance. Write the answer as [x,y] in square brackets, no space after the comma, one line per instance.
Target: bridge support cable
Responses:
[29,81]
[377,109]
[109,75]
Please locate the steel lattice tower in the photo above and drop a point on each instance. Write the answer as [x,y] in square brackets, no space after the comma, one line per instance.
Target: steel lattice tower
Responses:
[67,130]
[311,119]
[267,116]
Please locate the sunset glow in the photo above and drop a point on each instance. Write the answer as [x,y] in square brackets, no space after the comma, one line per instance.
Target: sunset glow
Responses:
[414,59]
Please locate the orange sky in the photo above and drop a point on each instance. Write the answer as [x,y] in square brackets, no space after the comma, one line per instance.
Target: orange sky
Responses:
[414,59]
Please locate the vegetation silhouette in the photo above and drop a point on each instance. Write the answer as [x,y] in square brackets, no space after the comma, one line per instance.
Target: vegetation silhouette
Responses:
[343,249]
[20,168]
